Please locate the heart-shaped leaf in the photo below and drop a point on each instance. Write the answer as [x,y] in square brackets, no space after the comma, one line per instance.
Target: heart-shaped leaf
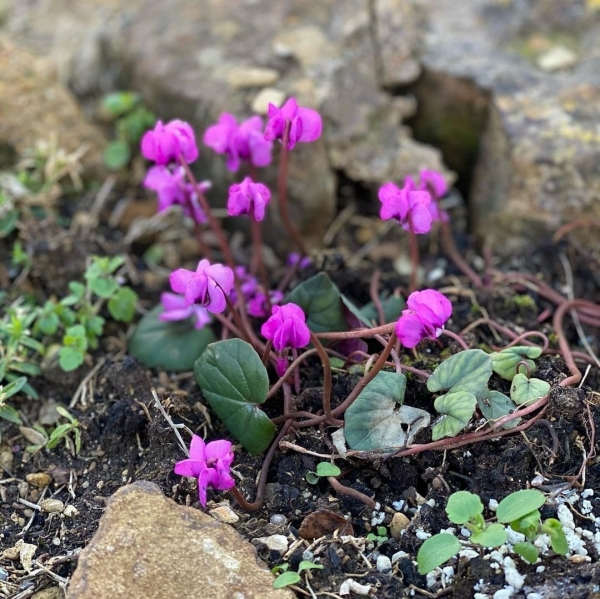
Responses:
[469,371]
[321,301]
[436,550]
[519,504]
[174,346]
[233,379]
[524,390]
[492,536]
[456,410]
[377,420]
[505,362]
[495,405]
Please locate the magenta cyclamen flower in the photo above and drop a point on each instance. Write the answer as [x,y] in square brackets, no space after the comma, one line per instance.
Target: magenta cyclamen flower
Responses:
[425,318]
[208,286]
[243,142]
[286,327]
[305,123]
[209,463]
[166,143]
[175,307]
[248,197]
[172,190]
[401,203]
[435,183]
[257,304]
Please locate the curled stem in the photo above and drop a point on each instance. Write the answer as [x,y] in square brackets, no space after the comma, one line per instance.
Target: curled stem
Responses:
[338,487]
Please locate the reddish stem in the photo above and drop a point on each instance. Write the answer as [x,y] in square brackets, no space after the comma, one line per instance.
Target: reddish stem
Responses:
[326,381]
[282,191]
[414,254]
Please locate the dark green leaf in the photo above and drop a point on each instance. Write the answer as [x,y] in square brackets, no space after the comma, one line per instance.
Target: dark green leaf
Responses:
[321,301]
[174,346]
[469,371]
[376,422]
[233,380]
[435,551]
[8,222]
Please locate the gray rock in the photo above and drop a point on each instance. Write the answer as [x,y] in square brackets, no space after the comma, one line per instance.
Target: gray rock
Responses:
[148,547]
[529,138]
[384,564]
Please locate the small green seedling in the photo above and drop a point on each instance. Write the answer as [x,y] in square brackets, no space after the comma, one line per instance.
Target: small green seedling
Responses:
[6,391]
[380,537]
[519,509]
[324,469]
[289,577]
[69,432]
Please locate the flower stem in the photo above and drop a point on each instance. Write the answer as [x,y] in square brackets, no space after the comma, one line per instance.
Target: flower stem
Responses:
[212,221]
[257,263]
[326,381]
[282,191]
[414,254]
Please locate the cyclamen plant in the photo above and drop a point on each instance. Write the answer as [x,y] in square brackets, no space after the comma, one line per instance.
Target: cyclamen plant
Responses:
[314,318]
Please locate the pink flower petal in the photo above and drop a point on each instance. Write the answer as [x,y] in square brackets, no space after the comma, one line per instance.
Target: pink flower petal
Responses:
[207,478]
[409,329]
[189,468]
[312,124]
[179,280]
[218,450]
[197,448]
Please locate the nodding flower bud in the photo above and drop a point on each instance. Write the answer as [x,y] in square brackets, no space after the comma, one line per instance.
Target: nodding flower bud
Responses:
[407,205]
[248,197]
[425,318]
[286,328]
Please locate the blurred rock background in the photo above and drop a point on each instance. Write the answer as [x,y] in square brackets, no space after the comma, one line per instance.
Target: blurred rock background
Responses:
[505,94]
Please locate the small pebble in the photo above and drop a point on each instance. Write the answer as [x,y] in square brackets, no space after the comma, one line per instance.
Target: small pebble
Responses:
[384,564]
[308,555]
[223,513]
[70,511]
[39,479]
[277,519]
[276,543]
[398,524]
[52,506]
[3,574]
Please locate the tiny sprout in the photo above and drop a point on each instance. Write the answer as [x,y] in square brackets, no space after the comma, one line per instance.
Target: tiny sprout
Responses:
[324,469]
[289,577]
[380,537]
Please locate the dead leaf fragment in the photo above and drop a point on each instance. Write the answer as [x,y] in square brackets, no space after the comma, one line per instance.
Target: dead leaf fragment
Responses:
[324,522]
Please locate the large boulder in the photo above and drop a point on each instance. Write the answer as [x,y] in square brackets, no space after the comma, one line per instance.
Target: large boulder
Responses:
[511,93]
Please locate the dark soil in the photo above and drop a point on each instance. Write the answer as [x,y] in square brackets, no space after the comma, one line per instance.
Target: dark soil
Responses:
[125,438]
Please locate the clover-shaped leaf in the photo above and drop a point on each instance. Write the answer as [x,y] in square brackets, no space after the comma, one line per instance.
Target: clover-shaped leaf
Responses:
[469,371]
[505,362]
[322,303]
[377,420]
[174,346]
[524,390]
[234,380]
[456,409]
